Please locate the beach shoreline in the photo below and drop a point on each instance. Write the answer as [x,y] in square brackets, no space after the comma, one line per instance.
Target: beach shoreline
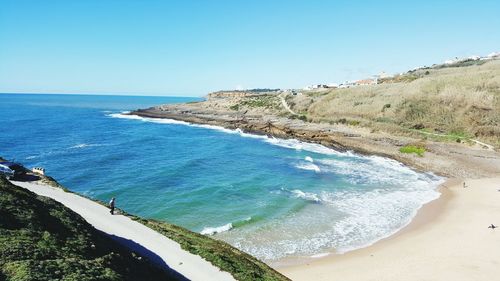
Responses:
[299,260]
[424,215]
[448,239]
[415,249]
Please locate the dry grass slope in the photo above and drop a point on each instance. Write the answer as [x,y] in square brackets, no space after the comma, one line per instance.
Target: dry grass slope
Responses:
[461,103]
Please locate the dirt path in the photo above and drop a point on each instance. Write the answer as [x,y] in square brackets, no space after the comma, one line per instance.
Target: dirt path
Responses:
[285,105]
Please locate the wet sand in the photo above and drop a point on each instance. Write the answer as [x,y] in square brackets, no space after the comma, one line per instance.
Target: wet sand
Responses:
[449,239]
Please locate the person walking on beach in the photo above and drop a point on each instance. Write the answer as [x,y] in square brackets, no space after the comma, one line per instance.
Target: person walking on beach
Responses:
[112,206]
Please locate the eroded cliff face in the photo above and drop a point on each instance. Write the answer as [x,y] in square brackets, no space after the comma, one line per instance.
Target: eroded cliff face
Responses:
[265,115]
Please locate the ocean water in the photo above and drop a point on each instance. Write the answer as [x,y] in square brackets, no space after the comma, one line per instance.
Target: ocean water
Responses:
[272,198]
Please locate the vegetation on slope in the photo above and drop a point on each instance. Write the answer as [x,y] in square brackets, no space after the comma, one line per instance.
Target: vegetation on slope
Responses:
[40,239]
[412,149]
[452,103]
[241,265]
[264,102]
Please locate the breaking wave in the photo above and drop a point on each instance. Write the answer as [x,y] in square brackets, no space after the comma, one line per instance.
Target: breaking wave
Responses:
[286,143]
[83,145]
[308,196]
[363,199]
[217,229]
[308,167]
[223,228]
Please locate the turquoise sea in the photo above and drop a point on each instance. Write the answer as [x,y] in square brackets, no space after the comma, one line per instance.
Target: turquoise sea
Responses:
[272,198]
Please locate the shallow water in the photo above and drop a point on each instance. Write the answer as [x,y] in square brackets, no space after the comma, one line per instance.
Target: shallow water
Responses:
[270,197]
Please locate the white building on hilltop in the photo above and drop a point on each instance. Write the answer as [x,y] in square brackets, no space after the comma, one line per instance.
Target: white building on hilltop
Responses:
[494,55]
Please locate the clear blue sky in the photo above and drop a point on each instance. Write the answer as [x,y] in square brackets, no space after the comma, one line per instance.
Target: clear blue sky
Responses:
[193,47]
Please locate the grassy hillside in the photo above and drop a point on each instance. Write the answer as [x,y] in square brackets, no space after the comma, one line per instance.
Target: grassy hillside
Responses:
[40,239]
[28,220]
[241,265]
[458,102]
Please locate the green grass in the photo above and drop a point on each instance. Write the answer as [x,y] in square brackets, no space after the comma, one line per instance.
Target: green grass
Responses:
[413,149]
[455,136]
[235,107]
[41,239]
[265,101]
[241,265]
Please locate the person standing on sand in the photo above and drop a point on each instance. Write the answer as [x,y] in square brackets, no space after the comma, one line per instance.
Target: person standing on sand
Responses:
[112,206]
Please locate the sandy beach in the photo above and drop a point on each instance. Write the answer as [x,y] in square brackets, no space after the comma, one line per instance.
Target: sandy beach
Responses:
[449,239]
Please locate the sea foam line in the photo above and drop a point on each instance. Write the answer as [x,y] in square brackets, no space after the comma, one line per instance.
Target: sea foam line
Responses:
[361,168]
[419,195]
[366,217]
[83,145]
[295,144]
[308,167]
[286,143]
[62,151]
[297,193]
[217,229]
[223,228]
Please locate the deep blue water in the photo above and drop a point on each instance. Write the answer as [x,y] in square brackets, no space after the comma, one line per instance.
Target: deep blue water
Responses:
[272,198]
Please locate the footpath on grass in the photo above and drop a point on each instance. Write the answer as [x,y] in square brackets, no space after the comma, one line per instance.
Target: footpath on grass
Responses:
[133,234]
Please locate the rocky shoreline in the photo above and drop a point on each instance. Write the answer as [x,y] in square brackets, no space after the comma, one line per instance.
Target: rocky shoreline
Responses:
[454,160]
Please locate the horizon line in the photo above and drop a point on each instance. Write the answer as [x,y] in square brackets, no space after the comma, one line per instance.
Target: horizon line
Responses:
[102,94]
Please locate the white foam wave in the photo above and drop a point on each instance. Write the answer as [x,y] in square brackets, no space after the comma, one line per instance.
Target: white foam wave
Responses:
[345,221]
[377,170]
[124,115]
[347,218]
[83,145]
[372,216]
[218,229]
[308,196]
[309,167]
[320,255]
[286,143]
[62,151]
[304,146]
